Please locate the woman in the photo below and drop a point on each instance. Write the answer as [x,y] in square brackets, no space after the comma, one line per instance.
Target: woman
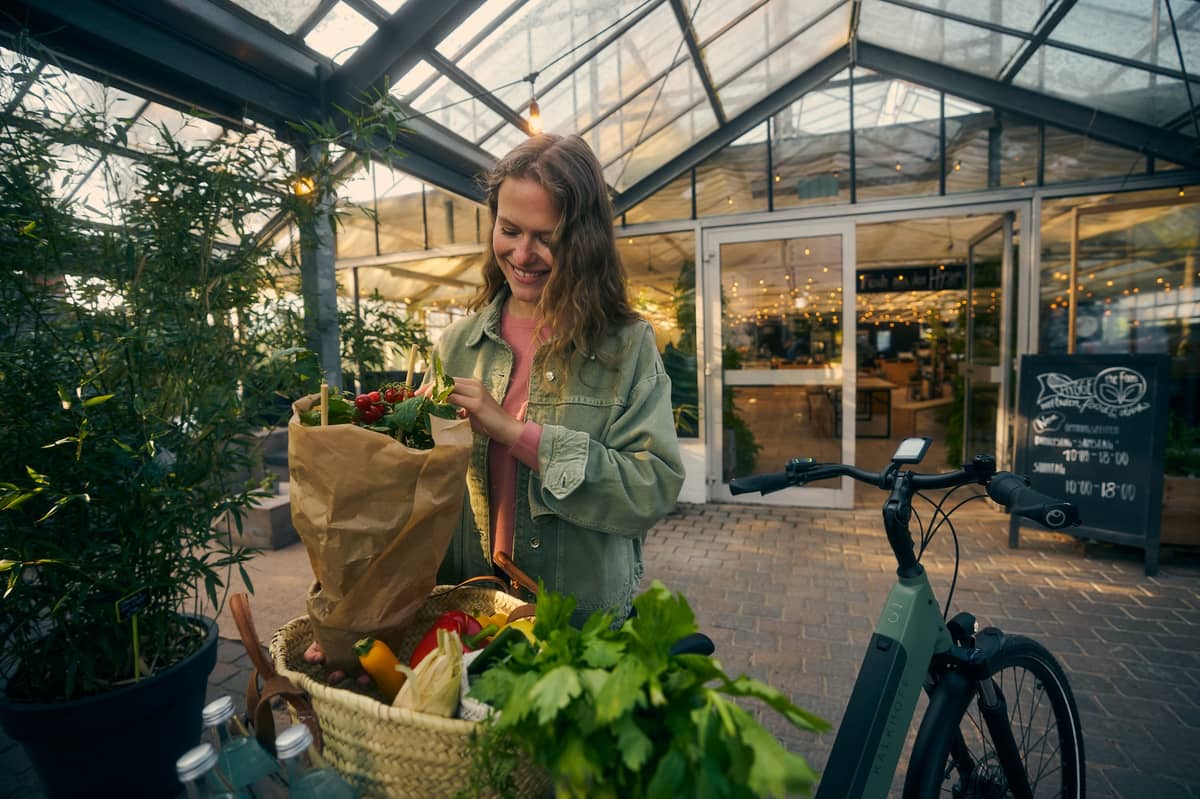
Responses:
[575,453]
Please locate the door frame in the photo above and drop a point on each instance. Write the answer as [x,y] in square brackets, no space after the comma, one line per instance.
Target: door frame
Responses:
[711,239]
[1003,374]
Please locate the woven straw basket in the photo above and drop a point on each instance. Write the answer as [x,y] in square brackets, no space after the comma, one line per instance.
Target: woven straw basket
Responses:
[394,753]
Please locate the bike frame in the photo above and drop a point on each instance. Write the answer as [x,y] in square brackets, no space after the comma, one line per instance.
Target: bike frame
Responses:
[910,632]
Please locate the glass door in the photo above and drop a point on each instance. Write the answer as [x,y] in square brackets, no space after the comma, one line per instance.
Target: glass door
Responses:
[781,300]
[987,346]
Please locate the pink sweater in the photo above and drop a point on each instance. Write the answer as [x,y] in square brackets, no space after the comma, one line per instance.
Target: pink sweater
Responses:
[502,460]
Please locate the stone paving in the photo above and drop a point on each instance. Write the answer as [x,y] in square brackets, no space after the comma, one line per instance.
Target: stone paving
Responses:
[791,595]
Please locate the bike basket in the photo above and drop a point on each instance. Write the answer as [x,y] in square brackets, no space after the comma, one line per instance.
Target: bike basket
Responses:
[394,753]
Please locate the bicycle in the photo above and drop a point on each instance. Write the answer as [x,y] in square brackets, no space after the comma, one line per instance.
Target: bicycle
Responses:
[1001,719]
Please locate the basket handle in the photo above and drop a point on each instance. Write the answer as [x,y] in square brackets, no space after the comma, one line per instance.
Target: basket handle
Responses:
[258,700]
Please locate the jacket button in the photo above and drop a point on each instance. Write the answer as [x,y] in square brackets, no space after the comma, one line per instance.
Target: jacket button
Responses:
[535,543]
[550,376]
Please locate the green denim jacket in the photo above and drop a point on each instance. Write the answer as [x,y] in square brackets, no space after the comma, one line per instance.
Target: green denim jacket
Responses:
[608,459]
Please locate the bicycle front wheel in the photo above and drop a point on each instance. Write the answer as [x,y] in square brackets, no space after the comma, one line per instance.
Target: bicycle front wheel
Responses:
[956,754]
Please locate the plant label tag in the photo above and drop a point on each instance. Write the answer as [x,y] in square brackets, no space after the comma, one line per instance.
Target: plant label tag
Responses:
[131,604]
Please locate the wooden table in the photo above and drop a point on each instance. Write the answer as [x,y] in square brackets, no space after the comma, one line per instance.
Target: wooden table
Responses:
[875,394]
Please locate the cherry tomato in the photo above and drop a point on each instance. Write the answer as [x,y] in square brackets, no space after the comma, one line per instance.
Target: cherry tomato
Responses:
[375,396]
[373,414]
[393,395]
[362,402]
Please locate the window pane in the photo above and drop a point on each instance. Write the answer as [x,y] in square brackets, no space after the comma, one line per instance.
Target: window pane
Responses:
[1118,89]
[1073,157]
[895,139]
[401,224]
[811,145]
[451,219]
[987,149]
[662,287]
[340,33]
[1019,14]
[673,201]
[734,181]
[287,15]
[945,41]
[451,106]
[1136,283]
[1127,29]
[773,30]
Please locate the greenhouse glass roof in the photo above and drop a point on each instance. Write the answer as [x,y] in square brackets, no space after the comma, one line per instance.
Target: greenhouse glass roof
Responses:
[655,86]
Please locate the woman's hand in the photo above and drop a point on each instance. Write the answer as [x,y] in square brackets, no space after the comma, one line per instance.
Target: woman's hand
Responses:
[486,415]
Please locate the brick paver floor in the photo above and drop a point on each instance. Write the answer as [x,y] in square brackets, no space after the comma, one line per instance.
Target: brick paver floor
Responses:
[791,595]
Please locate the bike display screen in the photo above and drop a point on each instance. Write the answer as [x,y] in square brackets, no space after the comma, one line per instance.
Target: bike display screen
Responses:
[912,450]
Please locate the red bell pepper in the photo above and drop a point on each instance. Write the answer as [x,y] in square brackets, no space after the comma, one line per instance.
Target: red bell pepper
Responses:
[466,625]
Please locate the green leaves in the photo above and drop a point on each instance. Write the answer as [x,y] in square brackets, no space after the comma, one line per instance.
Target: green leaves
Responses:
[611,712]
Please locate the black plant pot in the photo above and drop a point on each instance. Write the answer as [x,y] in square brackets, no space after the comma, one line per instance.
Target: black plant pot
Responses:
[122,743]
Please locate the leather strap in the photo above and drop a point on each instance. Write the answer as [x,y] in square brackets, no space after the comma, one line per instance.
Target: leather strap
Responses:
[520,580]
[258,700]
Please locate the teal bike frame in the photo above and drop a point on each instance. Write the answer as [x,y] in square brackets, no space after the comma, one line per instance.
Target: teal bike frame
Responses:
[909,634]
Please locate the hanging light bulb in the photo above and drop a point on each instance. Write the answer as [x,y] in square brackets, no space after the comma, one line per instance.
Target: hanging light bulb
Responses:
[535,112]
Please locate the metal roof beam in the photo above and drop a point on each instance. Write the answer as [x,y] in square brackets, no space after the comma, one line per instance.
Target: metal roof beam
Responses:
[1127,133]
[689,38]
[395,47]
[265,79]
[1041,32]
[773,103]
[481,93]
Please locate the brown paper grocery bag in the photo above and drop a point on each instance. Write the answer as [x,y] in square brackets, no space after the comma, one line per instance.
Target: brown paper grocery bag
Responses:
[376,518]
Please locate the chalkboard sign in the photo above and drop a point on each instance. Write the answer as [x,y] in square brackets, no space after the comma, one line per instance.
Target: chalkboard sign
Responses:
[1091,429]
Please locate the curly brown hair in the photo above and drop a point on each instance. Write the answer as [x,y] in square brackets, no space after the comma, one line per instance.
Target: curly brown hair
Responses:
[586,291]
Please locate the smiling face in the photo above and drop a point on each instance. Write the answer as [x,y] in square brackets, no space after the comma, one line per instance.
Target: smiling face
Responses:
[526,217]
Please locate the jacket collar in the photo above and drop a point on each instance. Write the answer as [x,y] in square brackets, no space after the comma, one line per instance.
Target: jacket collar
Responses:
[487,321]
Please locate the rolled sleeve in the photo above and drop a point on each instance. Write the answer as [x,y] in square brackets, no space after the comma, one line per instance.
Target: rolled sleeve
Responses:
[564,456]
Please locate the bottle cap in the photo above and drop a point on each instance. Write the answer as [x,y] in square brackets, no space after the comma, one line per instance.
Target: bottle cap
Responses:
[195,762]
[293,741]
[218,711]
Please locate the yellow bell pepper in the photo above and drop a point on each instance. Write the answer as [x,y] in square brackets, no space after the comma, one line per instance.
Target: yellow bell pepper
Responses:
[525,625]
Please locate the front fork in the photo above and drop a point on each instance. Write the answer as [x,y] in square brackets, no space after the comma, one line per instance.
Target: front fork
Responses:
[971,656]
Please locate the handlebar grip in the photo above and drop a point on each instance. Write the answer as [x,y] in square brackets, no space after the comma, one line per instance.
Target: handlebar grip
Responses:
[764,483]
[1014,493]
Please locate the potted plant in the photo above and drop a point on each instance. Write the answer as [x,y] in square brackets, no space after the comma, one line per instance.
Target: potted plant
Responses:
[125,339]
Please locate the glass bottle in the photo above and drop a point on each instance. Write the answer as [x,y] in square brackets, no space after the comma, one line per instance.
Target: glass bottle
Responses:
[306,778]
[247,766]
[197,770]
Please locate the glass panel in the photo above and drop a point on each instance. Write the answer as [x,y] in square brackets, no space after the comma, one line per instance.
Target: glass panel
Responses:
[58,95]
[954,44]
[1127,29]
[1133,93]
[1073,157]
[811,145]
[640,56]
[896,139]
[662,286]
[451,219]
[103,191]
[406,88]
[734,181]
[518,47]
[1139,277]
[788,54]
[781,310]
[657,125]
[401,220]
[390,6]
[1019,14]
[146,133]
[708,17]
[340,33]
[504,140]
[983,316]
[985,149]
[450,105]
[287,15]
[673,201]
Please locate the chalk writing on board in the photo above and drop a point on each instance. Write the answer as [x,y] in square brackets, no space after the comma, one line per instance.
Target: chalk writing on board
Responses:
[1115,392]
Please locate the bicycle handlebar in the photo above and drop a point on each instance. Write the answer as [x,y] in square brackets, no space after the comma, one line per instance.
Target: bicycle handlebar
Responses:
[1010,490]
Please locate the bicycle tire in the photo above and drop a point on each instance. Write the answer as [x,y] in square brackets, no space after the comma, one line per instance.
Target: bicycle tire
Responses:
[954,756]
